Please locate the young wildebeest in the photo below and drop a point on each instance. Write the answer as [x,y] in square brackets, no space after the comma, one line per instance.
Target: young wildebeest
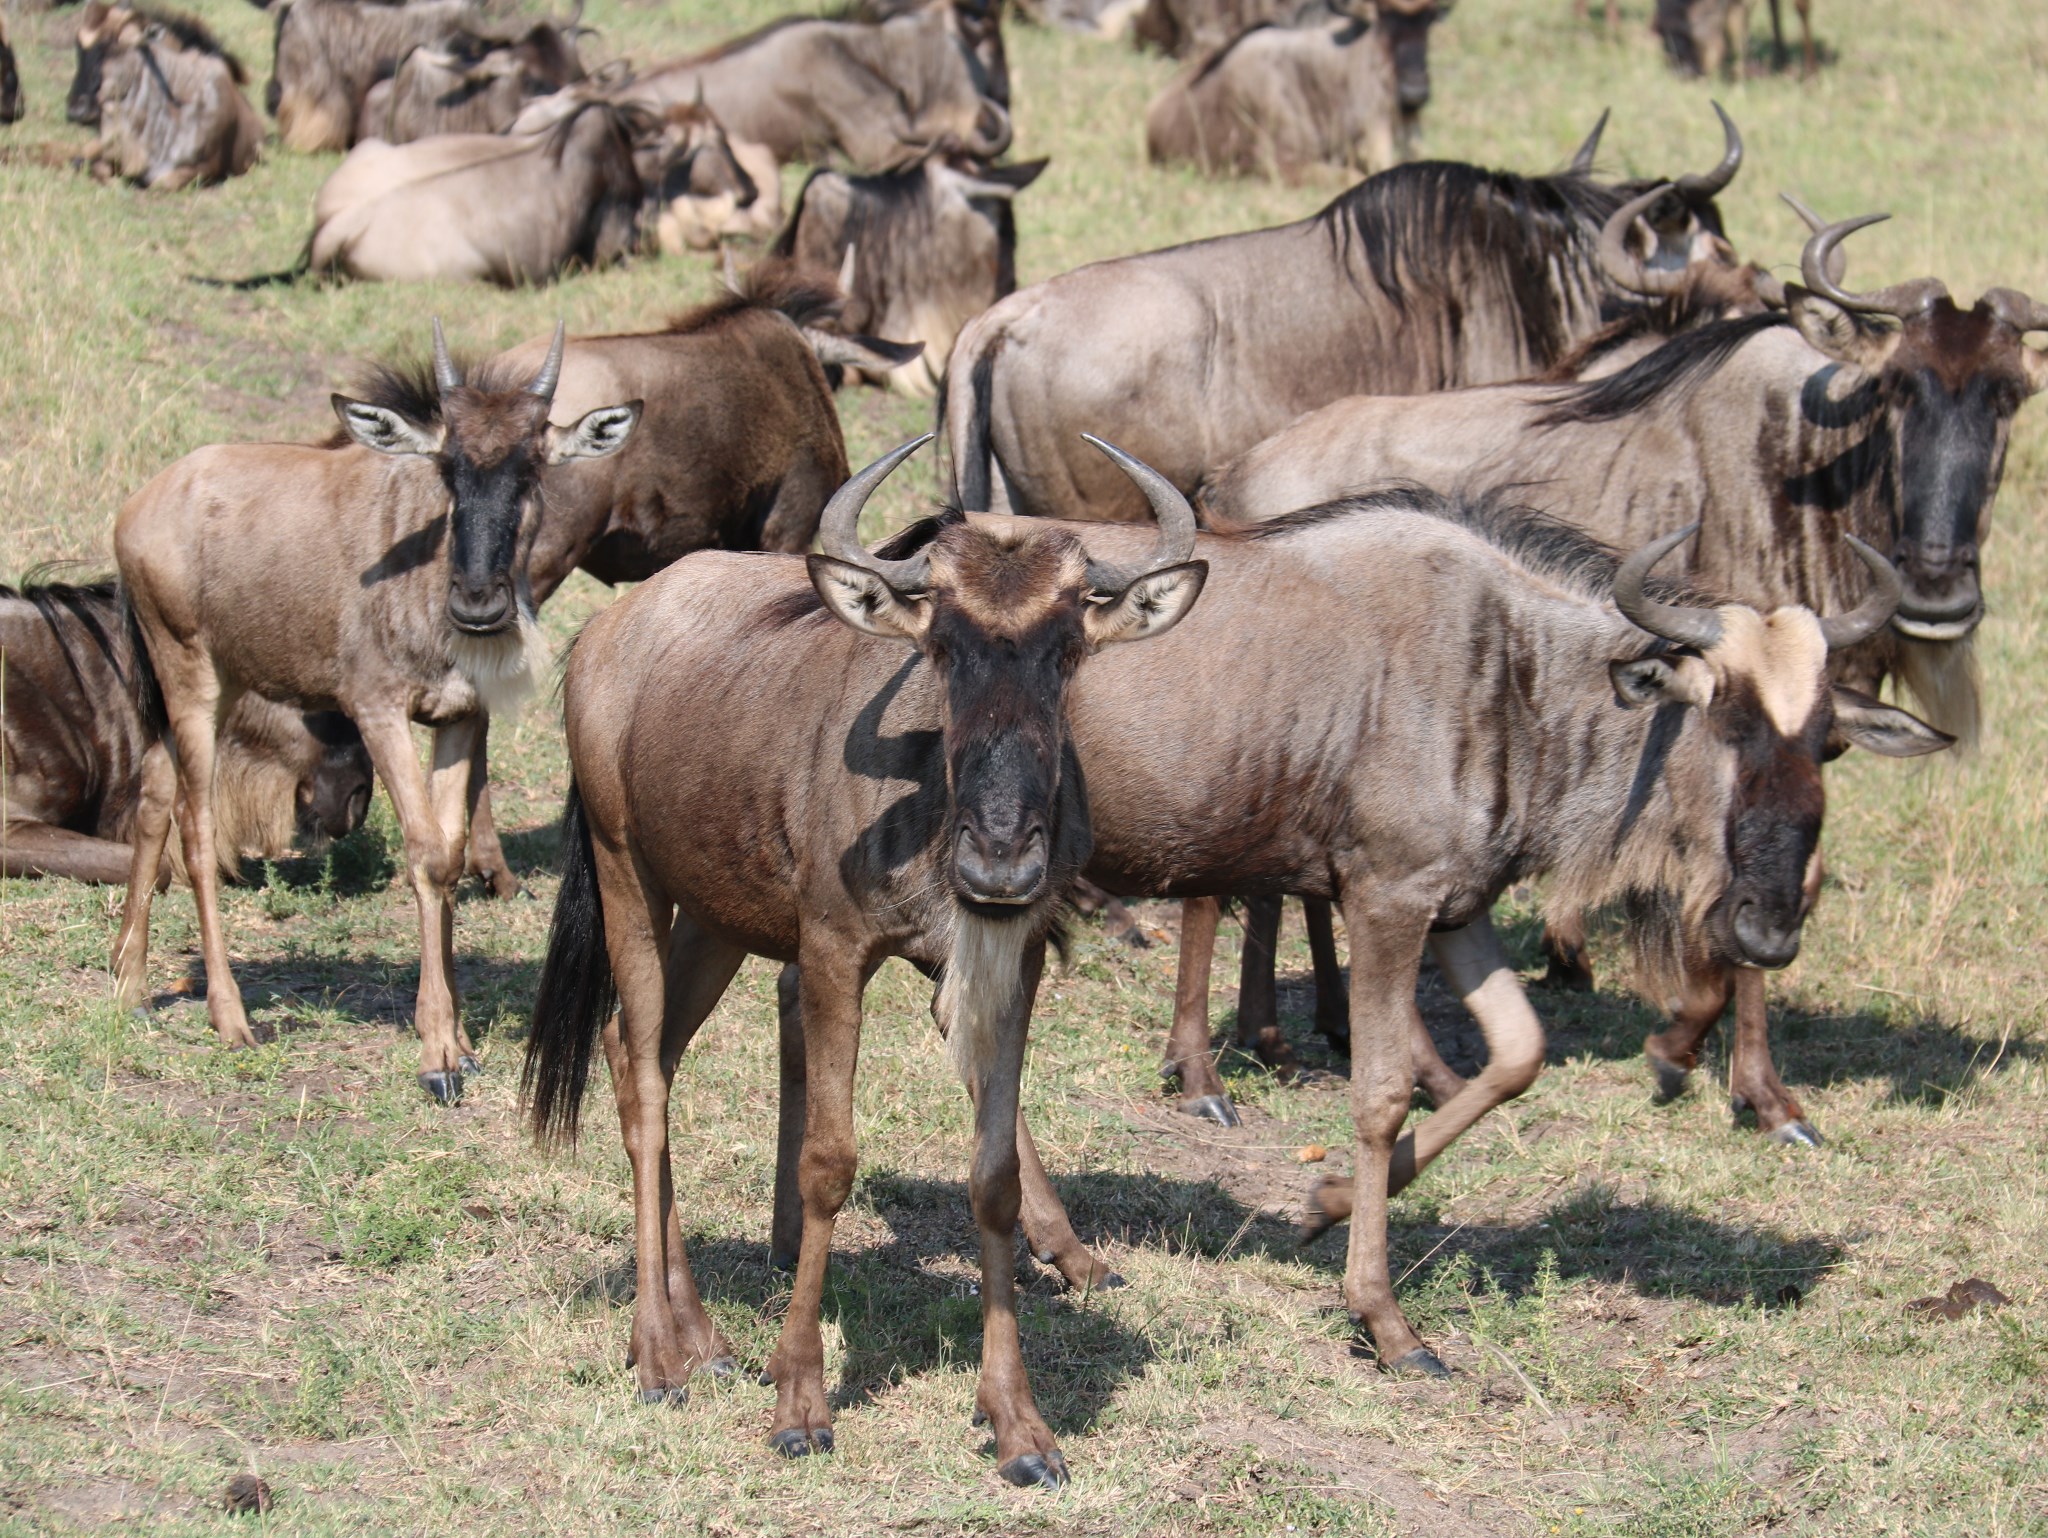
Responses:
[920,250]
[11,108]
[871,93]
[1338,90]
[166,96]
[328,53]
[740,771]
[497,208]
[1420,278]
[1777,433]
[385,578]
[72,740]
[468,84]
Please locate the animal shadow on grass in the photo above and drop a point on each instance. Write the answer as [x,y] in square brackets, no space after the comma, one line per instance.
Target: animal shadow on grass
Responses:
[365,990]
[534,851]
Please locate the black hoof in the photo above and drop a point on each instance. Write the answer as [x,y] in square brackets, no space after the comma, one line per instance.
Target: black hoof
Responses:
[1048,1470]
[798,1443]
[1109,1283]
[667,1396]
[1422,1362]
[777,1261]
[444,1085]
[722,1367]
[765,1378]
[1216,1108]
[1338,1037]
[1796,1134]
[468,1064]
[1671,1081]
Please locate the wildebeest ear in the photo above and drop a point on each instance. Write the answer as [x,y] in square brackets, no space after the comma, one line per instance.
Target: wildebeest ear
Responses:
[1150,606]
[1829,328]
[382,429]
[863,352]
[1884,729]
[595,434]
[868,603]
[1661,680]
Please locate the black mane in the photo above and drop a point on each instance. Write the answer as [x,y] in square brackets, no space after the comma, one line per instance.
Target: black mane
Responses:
[96,608]
[194,34]
[1687,359]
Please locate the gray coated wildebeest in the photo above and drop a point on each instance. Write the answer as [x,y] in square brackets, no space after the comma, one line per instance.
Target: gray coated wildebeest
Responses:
[1421,278]
[720,188]
[870,93]
[981,27]
[167,99]
[11,108]
[414,607]
[1708,37]
[326,55]
[498,208]
[763,766]
[1181,29]
[1465,695]
[72,740]
[1341,90]
[920,251]
[466,83]
[1886,415]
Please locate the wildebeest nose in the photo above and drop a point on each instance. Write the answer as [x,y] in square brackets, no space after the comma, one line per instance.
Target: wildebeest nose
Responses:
[1764,940]
[1000,870]
[1414,93]
[484,612]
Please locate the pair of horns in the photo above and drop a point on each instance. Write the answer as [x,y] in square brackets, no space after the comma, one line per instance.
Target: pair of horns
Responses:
[838,525]
[1694,187]
[1690,626]
[1821,265]
[448,377]
[1625,270]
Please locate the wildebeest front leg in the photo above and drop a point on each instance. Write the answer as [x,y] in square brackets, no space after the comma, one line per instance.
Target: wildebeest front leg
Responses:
[1753,1080]
[1333,995]
[1187,1045]
[1258,1002]
[37,849]
[1047,1228]
[158,792]
[486,856]
[1675,1051]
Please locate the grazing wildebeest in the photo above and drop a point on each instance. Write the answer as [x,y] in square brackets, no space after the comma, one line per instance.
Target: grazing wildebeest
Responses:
[1705,37]
[328,53]
[1339,90]
[466,83]
[72,739]
[751,777]
[1421,278]
[497,208]
[920,250]
[1777,433]
[412,607]
[11,108]
[166,96]
[1464,695]
[870,93]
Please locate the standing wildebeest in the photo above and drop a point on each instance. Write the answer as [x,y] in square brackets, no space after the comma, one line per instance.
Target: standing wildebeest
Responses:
[1338,90]
[328,53]
[750,777]
[468,83]
[1705,37]
[920,250]
[411,606]
[11,108]
[1420,278]
[871,93]
[166,96]
[498,208]
[72,739]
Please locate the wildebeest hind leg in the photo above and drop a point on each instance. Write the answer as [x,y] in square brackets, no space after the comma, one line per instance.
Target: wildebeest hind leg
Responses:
[159,789]
[486,856]
[1046,1226]
[37,849]
[786,1231]
[1753,1081]
[1333,995]
[1187,1044]
[1675,1051]
[195,726]
[1258,1001]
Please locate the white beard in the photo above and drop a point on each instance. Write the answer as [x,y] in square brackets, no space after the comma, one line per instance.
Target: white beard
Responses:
[505,669]
[979,985]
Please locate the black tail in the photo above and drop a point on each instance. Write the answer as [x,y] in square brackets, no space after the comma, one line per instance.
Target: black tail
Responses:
[576,993]
[143,687]
[289,275]
[974,466]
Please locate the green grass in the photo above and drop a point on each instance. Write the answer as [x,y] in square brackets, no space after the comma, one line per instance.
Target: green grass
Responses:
[408,1321]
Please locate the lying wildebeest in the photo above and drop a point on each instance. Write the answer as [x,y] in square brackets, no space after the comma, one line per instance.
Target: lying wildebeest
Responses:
[1705,37]
[722,188]
[871,93]
[1776,432]
[498,208]
[412,607]
[1181,29]
[1339,90]
[920,251]
[1464,695]
[467,83]
[166,96]
[740,764]
[326,55]
[72,739]
[1420,278]
[11,108]
[980,23]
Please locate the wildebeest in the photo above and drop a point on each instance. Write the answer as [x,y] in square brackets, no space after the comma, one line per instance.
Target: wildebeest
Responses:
[920,250]
[72,739]
[412,608]
[760,765]
[718,188]
[498,208]
[466,83]
[328,53]
[1338,90]
[1182,29]
[1705,37]
[1420,278]
[11,108]
[166,96]
[870,93]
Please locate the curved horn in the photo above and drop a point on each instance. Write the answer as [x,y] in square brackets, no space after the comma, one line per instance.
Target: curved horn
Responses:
[1838,263]
[839,524]
[992,145]
[2019,311]
[1875,612]
[1621,265]
[1817,268]
[1698,188]
[551,367]
[446,376]
[846,269]
[1674,622]
[1176,522]
[1582,159]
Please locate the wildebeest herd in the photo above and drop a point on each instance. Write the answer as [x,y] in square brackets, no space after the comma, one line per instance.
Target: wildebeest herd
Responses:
[1536,537]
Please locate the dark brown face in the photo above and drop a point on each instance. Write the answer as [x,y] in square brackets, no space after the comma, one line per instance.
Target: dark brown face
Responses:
[1774,823]
[491,460]
[334,799]
[1405,28]
[98,27]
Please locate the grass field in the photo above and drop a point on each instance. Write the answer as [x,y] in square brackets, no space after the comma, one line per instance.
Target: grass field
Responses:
[406,1320]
